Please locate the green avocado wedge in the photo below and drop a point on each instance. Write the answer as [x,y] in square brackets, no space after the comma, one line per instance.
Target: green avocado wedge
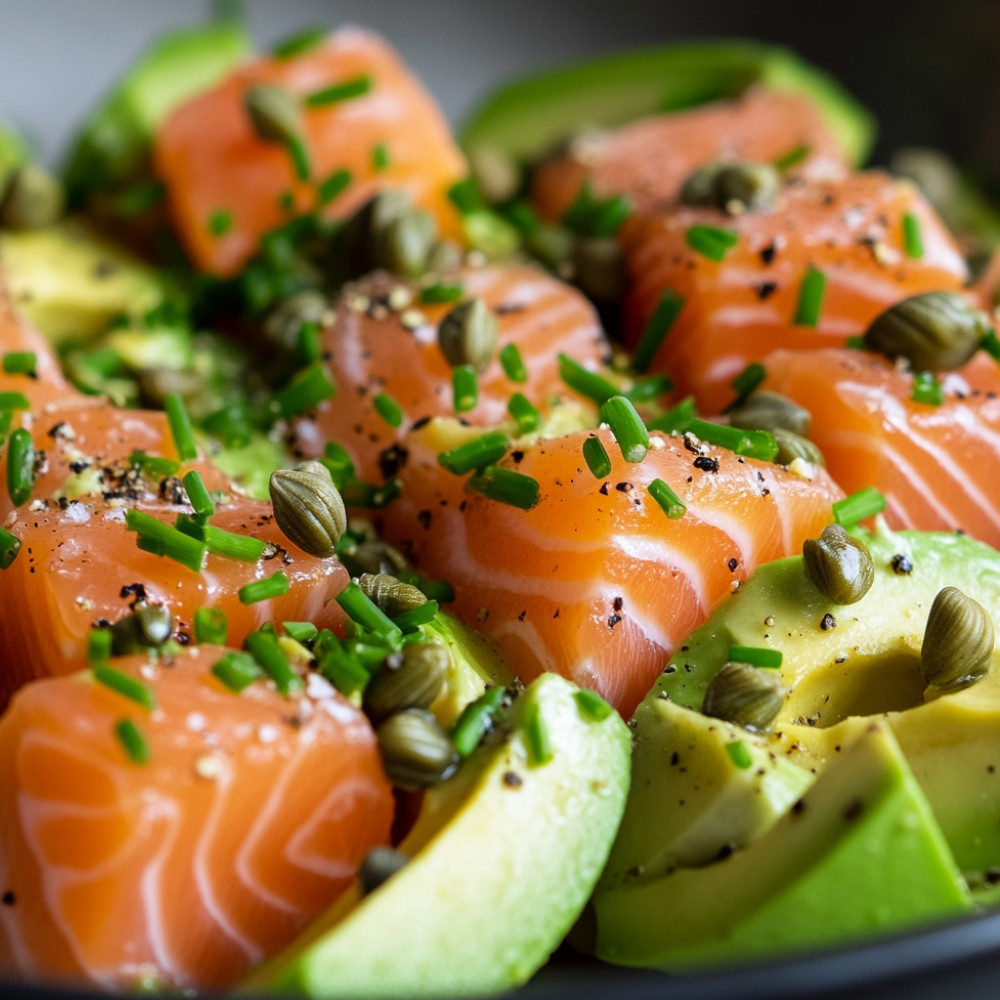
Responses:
[859,854]
[503,858]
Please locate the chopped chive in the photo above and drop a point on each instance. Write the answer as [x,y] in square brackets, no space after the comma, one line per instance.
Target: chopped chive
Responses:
[506,486]
[164,540]
[299,153]
[128,687]
[608,217]
[513,365]
[711,241]
[20,466]
[409,621]
[627,426]
[308,343]
[221,542]
[739,755]
[338,463]
[380,157]
[236,670]
[856,343]
[363,611]
[220,222]
[584,381]
[991,345]
[133,742]
[10,545]
[20,363]
[652,387]
[580,210]
[334,185]
[536,734]
[355,87]
[591,705]
[756,656]
[927,389]
[264,648]
[754,444]
[522,216]
[793,157]
[913,240]
[388,409]
[6,419]
[154,465]
[180,427]
[301,631]
[464,195]
[210,626]
[231,424]
[304,392]
[670,503]
[301,41]
[198,495]
[14,401]
[855,508]
[747,381]
[810,297]
[476,721]
[99,645]
[262,590]
[343,671]
[522,410]
[464,388]
[677,418]
[442,292]
[596,457]
[481,451]
[655,332]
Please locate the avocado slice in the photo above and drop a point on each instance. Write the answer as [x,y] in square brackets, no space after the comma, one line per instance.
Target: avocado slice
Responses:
[503,858]
[529,117]
[859,854]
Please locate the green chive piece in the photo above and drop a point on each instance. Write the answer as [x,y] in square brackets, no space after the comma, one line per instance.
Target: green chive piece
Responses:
[410,621]
[856,343]
[810,297]
[210,626]
[747,381]
[153,465]
[711,241]
[442,292]
[589,216]
[991,345]
[645,390]
[739,754]
[388,409]
[464,195]
[591,705]
[506,486]
[20,363]
[14,401]
[338,463]
[380,157]
[133,742]
[855,508]
[304,392]
[262,590]
[755,444]
[627,426]
[464,388]
[481,451]
[584,381]
[596,457]
[334,185]
[164,540]
[359,607]
[180,427]
[264,648]
[521,409]
[793,157]
[128,687]
[536,735]
[20,466]
[301,41]
[670,503]
[513,364]
[677,418]
[756,656]
[913,239]
[301,631]
[656,330]
[299,153]
[309,343]
[343,671]
[198,495]
[608,218]
[355,87]
[476,720]
[231,424]
[99,645]
[236,670]
[927,389]
[220,542]
[10,545]
[220,222]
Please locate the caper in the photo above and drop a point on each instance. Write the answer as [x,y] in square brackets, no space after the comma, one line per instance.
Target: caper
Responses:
[468,335]
[274,113]
[958,641]
[838,565]
[416,751]
[373,556]
[752,187]
[599,268]
[497,174]
[792,446]
[308,508]
[934,331]
[284,322]
[699,187]
[148,627]
[405,243]
[379,865]
[767,411]
[414,683]
[392,595]
[33,198]
[748,696]
[446,255]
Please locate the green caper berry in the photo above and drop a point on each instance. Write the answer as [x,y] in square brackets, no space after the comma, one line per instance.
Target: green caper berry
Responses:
[373,557]
[445,255]
[699,187]
[468,335]
[416,751]
[934,331]
[392,595]
[552,245]
[148,627]
[379,865]
[769,411]
[792,446]
[958,641]
[838,565]
[497,174]
[415,683]
[274,113]
[33,198]
[752,187]
[284,322]
[308,508]
[404,244]
[598,268]
[748,696]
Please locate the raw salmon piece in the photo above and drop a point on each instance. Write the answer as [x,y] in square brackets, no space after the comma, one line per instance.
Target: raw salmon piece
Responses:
[650,159]
[938,466]
[596,582]
[741,308]
[374,349]
[212,161]
[251,816]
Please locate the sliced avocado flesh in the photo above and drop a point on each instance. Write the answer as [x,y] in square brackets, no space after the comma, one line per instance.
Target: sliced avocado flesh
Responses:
[250,467]
[860,854]
[529,117]
[504,856]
